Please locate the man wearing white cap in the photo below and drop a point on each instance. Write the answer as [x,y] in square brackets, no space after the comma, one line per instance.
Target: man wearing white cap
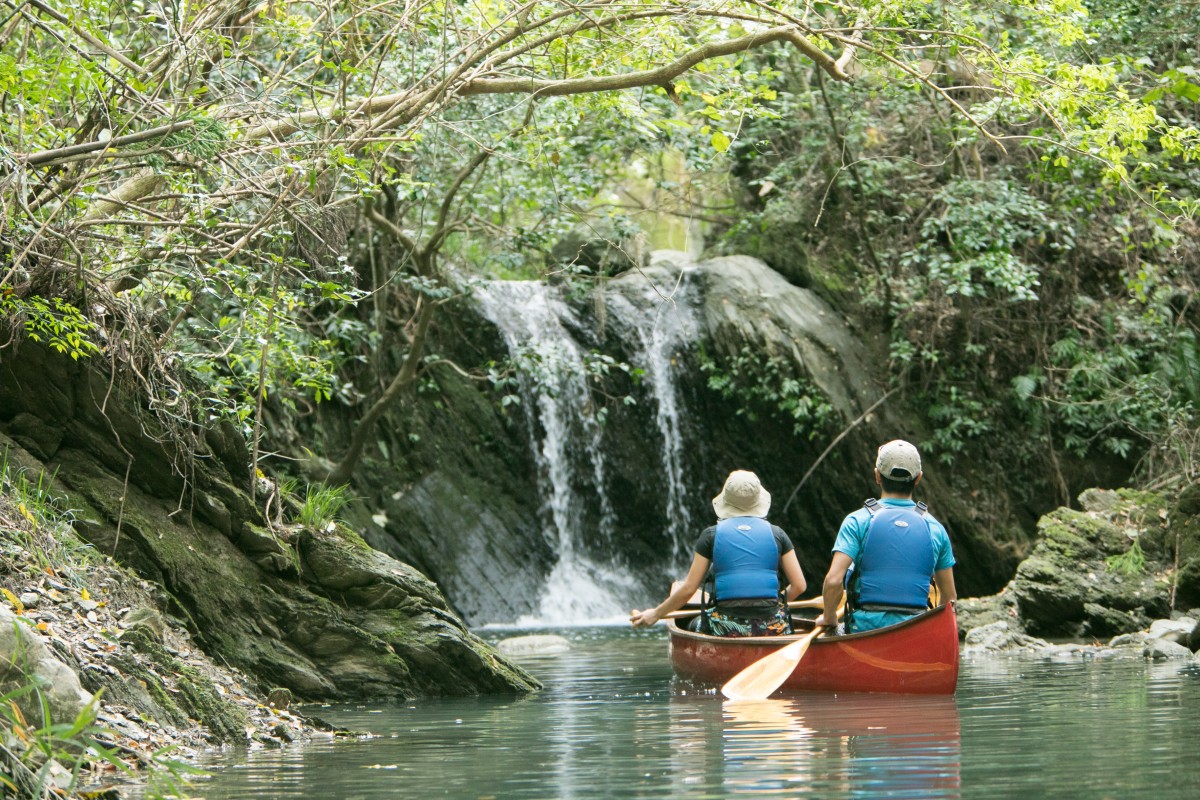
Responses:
[891,548]
[748,556]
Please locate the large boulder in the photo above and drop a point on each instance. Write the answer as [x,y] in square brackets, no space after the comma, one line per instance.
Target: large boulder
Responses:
[1084,578]
[1097,573]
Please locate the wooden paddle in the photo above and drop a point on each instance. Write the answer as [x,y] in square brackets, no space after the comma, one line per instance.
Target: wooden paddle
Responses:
[815,602]
[760,679]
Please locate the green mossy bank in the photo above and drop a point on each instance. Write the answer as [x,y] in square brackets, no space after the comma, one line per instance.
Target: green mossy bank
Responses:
[318,612]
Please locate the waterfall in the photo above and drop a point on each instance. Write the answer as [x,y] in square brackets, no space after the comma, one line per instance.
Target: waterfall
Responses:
[564,432]
[659,319]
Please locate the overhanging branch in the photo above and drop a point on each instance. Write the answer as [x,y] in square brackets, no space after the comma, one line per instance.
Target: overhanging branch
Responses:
[657,76]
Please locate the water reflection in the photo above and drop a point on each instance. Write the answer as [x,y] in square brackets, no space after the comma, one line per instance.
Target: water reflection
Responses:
[766,745]
[819,745]
[613,723]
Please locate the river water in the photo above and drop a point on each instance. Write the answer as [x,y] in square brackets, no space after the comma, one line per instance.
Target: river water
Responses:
[612,722]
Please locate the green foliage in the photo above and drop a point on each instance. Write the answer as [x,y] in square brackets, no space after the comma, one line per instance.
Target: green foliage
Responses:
[1039,286]
[32,518]
[201,143]
[970,243]
[1131,562]
[350,152]
[53,321]
[959,418]
[235,311]
[1117,387]
[756,381]
[42,758]
[321,506]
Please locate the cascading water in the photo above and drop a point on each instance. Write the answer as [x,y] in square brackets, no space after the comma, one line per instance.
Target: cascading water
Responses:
[659,319]
[563,433]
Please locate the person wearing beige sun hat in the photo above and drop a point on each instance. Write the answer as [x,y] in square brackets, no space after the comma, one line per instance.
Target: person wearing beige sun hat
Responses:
[754,567]
[889,551]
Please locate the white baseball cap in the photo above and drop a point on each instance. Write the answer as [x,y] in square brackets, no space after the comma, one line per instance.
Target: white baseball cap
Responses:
[899,461]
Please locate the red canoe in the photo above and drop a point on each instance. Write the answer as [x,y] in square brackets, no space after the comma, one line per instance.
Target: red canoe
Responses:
[918,656]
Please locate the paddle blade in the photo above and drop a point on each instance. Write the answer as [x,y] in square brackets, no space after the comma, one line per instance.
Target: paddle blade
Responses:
[760,679]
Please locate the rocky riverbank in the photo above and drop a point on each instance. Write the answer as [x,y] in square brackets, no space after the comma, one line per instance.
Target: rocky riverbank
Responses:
[110,685]
[301,604]
[137,566]
[1116,578]
[104,657]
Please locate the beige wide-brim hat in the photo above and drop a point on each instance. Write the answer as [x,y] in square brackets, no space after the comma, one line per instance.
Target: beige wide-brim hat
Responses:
[742,496]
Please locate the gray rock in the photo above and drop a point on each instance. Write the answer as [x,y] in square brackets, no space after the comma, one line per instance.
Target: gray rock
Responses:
[30,599]
[1178,631]
[1001,637]
[1137,639]
[24,658]
[1159,650]
[1099,500]
[536,645]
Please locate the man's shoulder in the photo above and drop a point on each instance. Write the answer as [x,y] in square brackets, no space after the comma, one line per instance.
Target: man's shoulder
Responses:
[934,522]
[864,510]
[857,518]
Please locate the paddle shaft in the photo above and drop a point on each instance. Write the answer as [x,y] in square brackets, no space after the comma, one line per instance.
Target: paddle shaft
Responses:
[814,602]
[760,679]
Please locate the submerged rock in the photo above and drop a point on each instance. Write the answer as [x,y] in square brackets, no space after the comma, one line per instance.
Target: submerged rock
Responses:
[1162,650]
[535,645]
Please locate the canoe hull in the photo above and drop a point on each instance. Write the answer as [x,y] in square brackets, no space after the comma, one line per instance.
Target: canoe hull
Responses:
[918,656]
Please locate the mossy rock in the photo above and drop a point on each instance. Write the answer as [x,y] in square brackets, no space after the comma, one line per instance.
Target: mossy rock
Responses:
[317,634]
[1082,579]
[189,694]
[1101,622]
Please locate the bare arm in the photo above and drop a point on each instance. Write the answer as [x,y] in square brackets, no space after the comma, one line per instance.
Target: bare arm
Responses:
[795,575]
[833,589]
[682,592]
[943,579]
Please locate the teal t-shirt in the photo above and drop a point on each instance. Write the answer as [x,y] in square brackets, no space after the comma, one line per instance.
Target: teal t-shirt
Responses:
[850,539]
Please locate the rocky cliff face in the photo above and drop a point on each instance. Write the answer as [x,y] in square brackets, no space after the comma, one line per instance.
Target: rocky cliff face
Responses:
[318,612]
[731,368]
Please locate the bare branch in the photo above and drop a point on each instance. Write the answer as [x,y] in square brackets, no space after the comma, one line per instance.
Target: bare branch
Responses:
[50,156]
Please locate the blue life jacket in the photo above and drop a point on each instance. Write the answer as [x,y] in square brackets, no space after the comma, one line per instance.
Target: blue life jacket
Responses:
[897,560]
[745,559]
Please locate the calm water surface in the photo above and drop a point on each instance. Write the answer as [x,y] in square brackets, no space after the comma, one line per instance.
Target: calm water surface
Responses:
[612,722]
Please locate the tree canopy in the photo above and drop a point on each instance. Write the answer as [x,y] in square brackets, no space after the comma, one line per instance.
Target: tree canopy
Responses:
[205,184]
